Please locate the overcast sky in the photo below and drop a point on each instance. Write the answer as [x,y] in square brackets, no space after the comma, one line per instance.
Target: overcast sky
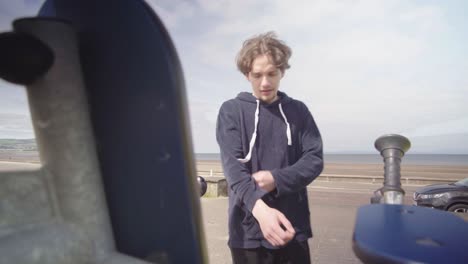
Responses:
[364,68]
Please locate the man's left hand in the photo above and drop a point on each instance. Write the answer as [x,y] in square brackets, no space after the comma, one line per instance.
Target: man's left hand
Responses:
[265,180]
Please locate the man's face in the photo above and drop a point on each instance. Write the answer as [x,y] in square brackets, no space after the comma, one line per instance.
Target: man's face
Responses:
[265,79]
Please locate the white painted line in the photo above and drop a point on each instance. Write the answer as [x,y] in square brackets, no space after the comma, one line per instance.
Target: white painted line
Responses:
[20,163]
[341,189]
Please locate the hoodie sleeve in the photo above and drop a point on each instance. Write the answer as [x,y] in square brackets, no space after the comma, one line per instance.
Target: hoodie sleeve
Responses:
[237,174]
[309,166]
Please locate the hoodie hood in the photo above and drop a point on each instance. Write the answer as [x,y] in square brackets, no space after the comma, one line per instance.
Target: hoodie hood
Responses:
[283,98]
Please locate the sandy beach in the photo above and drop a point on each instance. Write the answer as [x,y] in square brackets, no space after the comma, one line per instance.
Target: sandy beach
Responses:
[449,172]
[214,168]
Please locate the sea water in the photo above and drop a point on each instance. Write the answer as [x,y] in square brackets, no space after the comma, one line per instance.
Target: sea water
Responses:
[413,159]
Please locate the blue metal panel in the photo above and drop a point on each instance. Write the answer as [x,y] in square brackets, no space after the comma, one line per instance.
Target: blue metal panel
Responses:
[408,234]
[138,108]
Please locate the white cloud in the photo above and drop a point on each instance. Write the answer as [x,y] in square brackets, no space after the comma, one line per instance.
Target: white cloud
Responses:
[233,9]
[11,10]
[203,121]
[365,67]
[426,18]
[449,127]
[15,126]
[371,48]
[172,13]
[13,99]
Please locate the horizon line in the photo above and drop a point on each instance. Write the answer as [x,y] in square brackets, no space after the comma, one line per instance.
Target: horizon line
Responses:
[363,153]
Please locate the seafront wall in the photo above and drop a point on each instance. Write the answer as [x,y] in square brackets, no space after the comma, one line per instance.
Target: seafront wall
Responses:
[212,171]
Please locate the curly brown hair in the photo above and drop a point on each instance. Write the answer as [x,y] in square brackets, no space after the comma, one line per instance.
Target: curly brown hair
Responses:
[263,44]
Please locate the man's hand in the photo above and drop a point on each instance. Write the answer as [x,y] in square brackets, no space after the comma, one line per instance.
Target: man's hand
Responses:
[275,227]
[264,180]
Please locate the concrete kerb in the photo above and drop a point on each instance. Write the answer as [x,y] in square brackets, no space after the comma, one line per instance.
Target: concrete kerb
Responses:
[216,186]
[380,179]
[210,173]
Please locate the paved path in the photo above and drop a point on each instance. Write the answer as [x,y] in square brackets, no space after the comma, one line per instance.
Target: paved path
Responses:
[333,209]
[14,166]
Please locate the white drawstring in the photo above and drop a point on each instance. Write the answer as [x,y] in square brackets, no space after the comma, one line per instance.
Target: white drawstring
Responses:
[254,136]
[288,128]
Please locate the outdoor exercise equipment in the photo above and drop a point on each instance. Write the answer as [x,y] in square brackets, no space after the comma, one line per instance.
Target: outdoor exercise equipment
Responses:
[107,99]
[390,232]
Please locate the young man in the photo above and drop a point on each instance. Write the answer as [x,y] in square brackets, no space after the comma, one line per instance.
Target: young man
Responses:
[271,150]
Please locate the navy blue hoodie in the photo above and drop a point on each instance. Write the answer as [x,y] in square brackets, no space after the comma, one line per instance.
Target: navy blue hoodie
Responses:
[286,141]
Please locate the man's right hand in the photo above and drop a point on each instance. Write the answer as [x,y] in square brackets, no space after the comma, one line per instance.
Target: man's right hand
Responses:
[275,227]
